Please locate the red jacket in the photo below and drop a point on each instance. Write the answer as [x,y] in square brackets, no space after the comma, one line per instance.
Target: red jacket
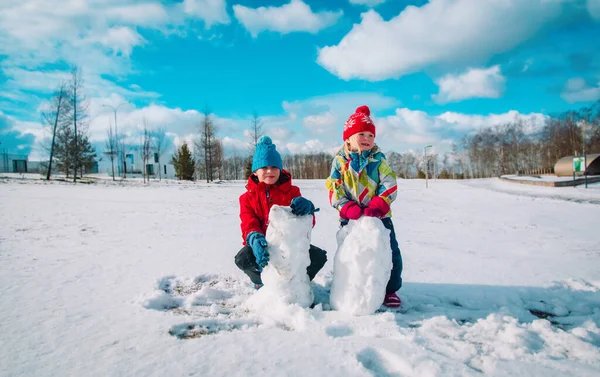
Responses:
[255,205]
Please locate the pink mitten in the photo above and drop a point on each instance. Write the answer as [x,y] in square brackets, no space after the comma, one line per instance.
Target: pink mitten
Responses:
[377,207]
[351,211]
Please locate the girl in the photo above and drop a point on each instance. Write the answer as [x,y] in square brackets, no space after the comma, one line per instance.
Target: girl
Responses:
[362,183]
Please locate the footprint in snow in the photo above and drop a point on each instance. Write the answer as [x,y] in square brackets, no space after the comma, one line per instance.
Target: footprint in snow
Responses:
[198,329]
[204,296]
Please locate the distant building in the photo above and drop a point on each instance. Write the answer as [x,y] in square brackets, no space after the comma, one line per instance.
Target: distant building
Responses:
[134,166]
[564,166]
[13,162]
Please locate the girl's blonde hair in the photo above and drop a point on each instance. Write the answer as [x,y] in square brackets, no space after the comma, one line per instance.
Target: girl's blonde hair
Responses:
[351,145]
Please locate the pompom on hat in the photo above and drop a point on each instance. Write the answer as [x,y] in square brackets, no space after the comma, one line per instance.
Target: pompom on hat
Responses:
[360,121]
[266,154]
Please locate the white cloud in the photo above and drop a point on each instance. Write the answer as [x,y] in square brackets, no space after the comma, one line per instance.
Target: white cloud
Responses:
[320,123]
[37,24]
[342,105]
[295,16]
[309,146]
[238,146]
[474,121]
[411,129]
[142,14]
[280,134]
[97,35]
[593,7]
[475,83]
[211,11]
[120,39]
[45,82]
[370,3]
[441,32]
[130,120]
[577,90]
[15,136]
[178,140]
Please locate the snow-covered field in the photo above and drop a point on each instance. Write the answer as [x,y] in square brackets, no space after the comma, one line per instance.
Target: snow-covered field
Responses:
[112,279]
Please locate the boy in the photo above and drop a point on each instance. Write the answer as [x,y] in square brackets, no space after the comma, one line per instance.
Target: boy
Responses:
[269,184]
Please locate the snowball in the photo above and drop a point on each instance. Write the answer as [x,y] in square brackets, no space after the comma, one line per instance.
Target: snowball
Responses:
[362,266]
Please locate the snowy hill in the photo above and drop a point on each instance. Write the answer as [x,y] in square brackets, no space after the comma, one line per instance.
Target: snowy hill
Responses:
[131,280]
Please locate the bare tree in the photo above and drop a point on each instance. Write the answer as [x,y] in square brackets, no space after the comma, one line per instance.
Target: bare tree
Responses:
[122,150]
[56,112]
[110,149]
[79,108]
[218,157]
[207,144]
[159,139]
[408,161]
[395,161]
[236,165]
[145,150]
[255,131]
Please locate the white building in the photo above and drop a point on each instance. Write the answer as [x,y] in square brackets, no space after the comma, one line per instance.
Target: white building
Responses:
[13,162]
[133,166]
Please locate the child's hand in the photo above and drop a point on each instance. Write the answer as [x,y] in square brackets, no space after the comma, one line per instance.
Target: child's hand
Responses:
[377,208]
[302,206]
[259,246]
[351,211]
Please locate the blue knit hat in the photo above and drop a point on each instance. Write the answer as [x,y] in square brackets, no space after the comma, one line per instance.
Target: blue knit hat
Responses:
[266,154]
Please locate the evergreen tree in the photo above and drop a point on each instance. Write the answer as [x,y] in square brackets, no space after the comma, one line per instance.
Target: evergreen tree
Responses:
[248,166]
[184,163]
[63,149]
[87,154]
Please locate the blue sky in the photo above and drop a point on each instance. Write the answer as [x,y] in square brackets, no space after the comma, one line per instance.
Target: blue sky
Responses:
[430,71]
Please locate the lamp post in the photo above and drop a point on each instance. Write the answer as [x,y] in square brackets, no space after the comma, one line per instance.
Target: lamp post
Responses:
[426,164]
[114,109]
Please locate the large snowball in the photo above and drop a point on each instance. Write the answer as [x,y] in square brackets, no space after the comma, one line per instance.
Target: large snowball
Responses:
[362,266]
[285,278]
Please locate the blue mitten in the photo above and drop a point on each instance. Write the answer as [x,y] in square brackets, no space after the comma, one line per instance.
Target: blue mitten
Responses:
[259,245]
[301,206]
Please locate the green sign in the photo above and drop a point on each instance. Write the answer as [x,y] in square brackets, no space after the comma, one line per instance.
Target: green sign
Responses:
[578,164]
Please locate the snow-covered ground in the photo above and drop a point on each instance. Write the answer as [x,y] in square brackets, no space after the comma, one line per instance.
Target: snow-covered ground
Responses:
[113,279]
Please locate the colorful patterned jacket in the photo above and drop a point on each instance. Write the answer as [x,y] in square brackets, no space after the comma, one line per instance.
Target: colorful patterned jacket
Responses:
[361,178]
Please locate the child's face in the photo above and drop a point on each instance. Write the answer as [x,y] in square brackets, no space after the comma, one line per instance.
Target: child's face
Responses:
[268,175]
[364,141]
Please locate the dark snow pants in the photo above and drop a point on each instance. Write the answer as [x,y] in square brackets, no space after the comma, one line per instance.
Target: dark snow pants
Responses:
[395,281]
[246,261]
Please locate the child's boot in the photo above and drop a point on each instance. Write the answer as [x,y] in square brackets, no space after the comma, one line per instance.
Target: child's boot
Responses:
[392,300]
